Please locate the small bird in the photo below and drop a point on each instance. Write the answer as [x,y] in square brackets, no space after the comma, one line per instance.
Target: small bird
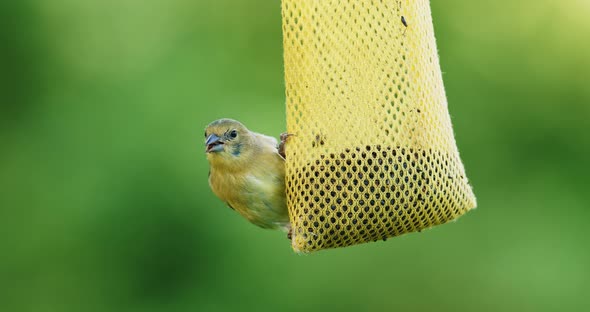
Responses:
[247,172]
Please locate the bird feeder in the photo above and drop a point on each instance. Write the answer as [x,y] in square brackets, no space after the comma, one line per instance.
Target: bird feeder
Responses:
[373,153]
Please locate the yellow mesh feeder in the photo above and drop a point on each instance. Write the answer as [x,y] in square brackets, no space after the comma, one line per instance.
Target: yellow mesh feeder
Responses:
[373,154]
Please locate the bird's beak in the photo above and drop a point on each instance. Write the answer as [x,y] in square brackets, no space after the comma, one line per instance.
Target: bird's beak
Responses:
[213,143]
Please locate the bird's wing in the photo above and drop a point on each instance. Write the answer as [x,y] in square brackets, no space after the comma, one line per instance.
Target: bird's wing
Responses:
[270,144]
[268,140]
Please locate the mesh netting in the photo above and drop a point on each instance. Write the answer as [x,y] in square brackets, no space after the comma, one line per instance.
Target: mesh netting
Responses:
[373,154]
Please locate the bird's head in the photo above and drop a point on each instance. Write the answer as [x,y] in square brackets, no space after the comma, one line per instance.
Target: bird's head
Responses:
[226,140]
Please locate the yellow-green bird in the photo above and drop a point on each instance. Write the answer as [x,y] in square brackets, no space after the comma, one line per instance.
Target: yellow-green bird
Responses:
[247,172]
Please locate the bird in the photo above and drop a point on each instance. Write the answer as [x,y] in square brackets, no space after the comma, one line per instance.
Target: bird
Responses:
[247,172]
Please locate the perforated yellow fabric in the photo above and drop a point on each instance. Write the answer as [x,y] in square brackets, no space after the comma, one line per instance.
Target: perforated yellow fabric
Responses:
[373,154]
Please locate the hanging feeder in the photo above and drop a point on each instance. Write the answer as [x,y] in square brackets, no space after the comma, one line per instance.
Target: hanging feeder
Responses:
[373,154]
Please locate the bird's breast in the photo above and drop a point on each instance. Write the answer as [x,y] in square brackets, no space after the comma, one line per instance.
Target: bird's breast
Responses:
[257,194]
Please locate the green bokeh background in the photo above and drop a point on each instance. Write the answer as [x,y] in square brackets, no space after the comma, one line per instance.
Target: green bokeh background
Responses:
[104,202]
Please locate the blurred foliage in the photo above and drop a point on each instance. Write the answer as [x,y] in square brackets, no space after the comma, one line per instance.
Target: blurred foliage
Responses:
[104,203]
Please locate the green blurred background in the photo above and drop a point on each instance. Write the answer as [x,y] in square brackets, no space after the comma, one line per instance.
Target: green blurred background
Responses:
[104,202]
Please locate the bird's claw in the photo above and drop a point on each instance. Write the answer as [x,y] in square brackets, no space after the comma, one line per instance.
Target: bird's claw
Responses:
[284,137]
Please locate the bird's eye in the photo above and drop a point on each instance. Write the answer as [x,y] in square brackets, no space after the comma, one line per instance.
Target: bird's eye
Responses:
[233,134]
[205,133]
